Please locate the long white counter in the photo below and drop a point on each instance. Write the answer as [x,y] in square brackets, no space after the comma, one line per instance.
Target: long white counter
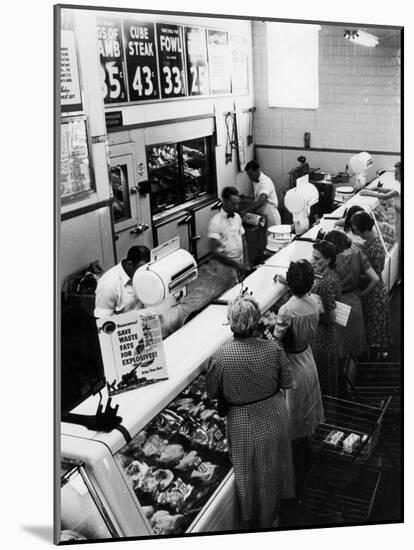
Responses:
[189,348]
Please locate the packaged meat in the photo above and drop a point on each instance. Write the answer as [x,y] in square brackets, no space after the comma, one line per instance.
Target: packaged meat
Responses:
[207,413]
[154,445]
[164,523]
[334,437]
[184,404]
[149,484]
[148,511]
[136,472]
[351,442]
[164,478]
[205,472]
[202,436]
[176,495]
[189,461]
[171,454]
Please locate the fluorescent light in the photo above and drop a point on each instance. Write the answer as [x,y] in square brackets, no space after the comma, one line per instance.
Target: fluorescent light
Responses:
[362,38]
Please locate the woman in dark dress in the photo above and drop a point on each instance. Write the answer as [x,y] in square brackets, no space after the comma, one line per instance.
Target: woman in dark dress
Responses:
[375,300]
[250,373]
[329,288]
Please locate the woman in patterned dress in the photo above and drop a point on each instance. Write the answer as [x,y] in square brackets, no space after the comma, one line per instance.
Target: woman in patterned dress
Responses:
[250,373]
[351,265]
[329,287]
[375,300]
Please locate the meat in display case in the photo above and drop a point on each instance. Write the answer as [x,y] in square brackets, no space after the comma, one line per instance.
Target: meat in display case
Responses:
[163,173]
[384,214]
[175,464]
[194,168]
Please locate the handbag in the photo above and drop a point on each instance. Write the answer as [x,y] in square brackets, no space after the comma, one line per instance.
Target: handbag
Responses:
[222,405]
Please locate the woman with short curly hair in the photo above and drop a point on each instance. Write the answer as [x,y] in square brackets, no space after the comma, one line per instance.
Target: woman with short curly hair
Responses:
[249,373]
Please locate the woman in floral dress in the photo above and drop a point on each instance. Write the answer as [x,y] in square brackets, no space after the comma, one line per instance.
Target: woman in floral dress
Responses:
[375,300]
[328,286]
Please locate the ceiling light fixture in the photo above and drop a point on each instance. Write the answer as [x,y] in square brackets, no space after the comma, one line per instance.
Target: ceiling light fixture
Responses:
[362,38]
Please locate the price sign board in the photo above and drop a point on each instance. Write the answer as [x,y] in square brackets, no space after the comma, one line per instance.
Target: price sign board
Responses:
[111,56]
[197,65]
[219,61]
[171,60]
[141,60]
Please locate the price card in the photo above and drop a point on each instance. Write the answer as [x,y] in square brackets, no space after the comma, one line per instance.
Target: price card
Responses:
[141,60]
[111,56]
[197,65]
[171,60]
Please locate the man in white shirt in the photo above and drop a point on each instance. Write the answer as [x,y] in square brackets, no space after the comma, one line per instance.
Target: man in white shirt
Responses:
[265,198]
[227,241]
[115,293]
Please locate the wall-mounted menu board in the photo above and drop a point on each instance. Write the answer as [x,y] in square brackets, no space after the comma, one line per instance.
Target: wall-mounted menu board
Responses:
[142,61]
[197,65]
[75,170]
[112,56]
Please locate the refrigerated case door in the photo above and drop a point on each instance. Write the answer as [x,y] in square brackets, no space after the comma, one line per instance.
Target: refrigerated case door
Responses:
[174,226]
[125,212]
[202,217]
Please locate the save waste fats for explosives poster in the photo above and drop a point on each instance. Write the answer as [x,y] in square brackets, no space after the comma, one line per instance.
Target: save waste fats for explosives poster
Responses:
[132,350]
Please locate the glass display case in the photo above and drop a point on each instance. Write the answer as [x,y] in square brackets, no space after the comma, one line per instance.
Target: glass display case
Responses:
[176,463]
[163,174]
[82,514]
[118,179]
[179,173]
[194,168]
[384,214]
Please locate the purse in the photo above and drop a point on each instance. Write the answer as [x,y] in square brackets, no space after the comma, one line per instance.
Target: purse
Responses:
[222,405]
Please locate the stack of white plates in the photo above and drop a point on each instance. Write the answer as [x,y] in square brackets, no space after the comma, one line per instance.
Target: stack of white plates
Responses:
[278,237]
[343,193]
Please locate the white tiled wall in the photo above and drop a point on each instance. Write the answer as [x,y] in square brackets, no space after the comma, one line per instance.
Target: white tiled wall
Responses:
[359,92]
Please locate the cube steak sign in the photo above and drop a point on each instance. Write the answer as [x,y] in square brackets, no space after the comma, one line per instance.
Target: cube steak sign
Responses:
[171,60]
[141,59]
[197,68]
[110,52]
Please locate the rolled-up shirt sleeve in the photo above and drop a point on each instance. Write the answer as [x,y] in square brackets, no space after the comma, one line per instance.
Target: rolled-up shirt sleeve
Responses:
[105,301]
[213,230]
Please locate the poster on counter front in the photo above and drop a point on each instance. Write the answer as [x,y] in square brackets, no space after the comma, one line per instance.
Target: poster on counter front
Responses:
[111,57]
[132,350]
[75,169]
[141,60]
[219,61]
[197,64]
[171,60]
[70,93]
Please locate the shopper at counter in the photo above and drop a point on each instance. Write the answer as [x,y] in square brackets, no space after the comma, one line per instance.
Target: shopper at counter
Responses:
[375,300]
[248,374]
[115,293]
[329,287]
[227,241]
[300,317]
[345,225]
[351,265]
[265,198]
